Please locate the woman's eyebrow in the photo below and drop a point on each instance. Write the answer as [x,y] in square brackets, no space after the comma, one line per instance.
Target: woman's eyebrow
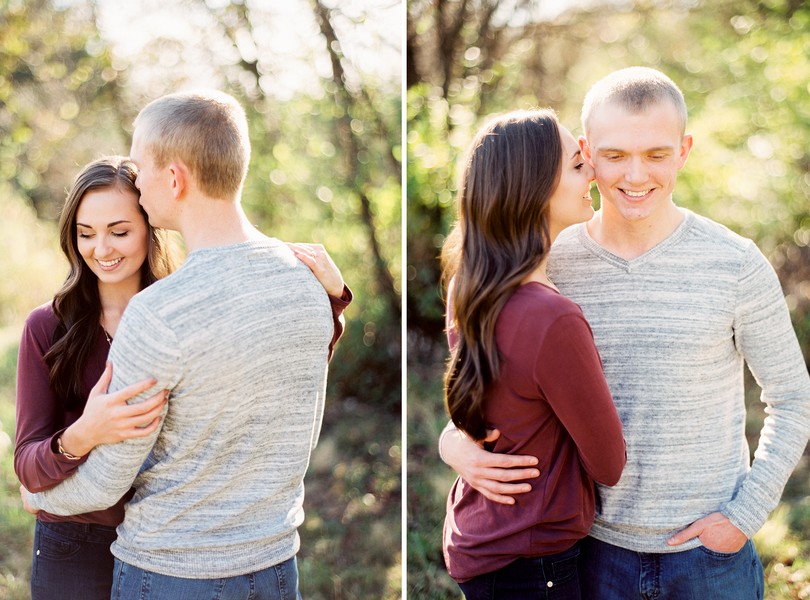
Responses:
[113,224]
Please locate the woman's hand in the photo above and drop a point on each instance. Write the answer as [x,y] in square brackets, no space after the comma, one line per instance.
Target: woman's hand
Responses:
[321,264]
[108,419]
[487,472]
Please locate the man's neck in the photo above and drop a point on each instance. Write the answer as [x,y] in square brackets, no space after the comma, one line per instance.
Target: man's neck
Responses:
[631,239]
[210,223]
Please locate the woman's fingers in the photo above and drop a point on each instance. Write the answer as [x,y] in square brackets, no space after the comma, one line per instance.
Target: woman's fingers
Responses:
[133,390]
[147,419]
[146,430]
[304,252]
[103,382]
[141,409]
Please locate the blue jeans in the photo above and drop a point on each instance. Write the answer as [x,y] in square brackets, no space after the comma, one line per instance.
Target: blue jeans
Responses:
[72,560]
[279,582]
[608,572]
[547,577]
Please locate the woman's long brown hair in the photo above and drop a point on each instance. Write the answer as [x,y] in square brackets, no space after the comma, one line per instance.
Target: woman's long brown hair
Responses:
[77,304]
[501,236]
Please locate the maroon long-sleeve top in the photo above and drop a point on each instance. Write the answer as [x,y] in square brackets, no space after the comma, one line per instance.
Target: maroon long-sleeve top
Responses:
[41,417]
[550,401]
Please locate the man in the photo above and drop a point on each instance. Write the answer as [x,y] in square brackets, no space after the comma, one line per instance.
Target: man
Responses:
[240,335]
[676,303]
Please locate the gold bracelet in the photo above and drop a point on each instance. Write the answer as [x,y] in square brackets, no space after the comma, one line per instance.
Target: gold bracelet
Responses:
[64,453]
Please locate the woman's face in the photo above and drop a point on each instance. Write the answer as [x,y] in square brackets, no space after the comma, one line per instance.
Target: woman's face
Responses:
[111,235]
[571,201]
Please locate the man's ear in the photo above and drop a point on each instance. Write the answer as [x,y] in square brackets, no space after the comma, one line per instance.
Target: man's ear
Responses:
[585,149]
[180,179]
[686,147]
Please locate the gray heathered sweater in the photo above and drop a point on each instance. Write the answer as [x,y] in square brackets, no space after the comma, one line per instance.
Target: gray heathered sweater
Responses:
[673,328]
[240,335]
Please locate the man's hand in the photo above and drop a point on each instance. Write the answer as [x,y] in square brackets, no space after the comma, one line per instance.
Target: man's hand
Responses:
[715,532]
[24,496]
[487,472]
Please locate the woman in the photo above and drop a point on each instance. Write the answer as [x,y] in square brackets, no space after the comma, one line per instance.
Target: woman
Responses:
[523,362]
[113,253]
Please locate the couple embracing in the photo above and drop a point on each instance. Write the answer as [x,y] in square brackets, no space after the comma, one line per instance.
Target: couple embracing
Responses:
[573,332]
[172,414]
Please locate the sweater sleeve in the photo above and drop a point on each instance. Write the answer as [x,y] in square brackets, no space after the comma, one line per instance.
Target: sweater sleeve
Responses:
[40,417]
[568,370]
[338,306]
[765,338]
[144,347]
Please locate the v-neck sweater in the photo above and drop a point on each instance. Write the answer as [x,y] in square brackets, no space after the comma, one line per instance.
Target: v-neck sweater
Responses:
[674,327]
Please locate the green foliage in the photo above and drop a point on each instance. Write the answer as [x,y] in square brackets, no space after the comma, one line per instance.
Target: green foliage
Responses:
[298,190]
[358,533]
[58,89]
[32,266]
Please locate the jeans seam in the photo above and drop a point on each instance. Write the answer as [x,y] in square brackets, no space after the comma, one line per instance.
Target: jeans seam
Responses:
[117,577]
[146,580]
[282,580]
[251,577]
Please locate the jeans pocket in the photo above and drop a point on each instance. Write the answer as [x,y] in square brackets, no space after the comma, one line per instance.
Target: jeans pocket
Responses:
[563,569]
[720,555]
[54,545]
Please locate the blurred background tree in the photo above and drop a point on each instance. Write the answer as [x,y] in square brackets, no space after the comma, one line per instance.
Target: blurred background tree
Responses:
[744,68]
[321,84]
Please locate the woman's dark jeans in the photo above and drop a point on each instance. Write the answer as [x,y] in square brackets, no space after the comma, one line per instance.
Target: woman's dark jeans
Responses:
[552,577]
[72,560]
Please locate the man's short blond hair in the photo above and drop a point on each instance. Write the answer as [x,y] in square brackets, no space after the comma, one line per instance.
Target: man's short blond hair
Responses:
[634,89]
[207,131]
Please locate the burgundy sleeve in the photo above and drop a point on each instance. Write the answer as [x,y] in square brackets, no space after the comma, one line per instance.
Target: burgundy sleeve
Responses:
[338,306]
[569,372]
[40,417]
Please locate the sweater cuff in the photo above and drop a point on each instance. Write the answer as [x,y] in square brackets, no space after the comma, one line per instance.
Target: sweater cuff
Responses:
[748,511]
[447,429]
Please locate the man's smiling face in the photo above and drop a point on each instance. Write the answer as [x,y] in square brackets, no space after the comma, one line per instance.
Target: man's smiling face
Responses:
[636,157]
